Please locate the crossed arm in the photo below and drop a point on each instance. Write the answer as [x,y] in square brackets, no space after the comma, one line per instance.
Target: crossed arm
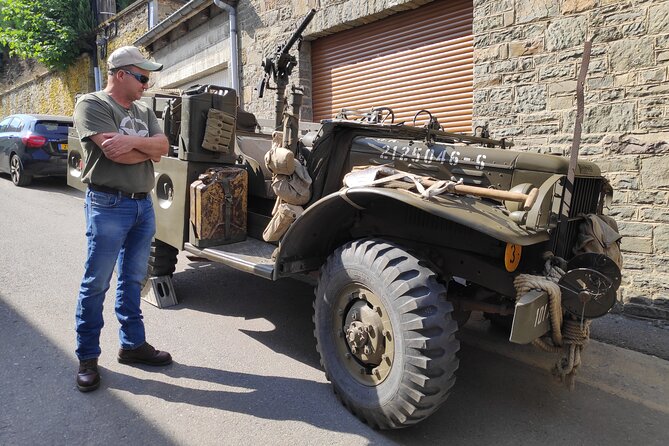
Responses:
[126,149]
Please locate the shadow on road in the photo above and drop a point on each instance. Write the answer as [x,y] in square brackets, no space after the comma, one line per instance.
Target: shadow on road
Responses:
[39,403]
[268,397]
[287,304]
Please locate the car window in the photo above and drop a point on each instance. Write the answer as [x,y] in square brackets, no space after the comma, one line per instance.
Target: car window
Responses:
[52,129]
[4,123]
[15,125]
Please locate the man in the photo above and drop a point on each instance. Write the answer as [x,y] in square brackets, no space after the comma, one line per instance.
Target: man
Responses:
[120,139]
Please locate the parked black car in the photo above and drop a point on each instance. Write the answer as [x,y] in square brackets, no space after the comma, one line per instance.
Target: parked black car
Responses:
[33,145]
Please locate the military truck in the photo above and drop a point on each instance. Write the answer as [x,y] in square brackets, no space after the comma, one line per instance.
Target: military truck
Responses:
[407,230]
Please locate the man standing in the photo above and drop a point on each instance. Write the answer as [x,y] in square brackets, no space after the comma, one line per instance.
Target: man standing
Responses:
[120,139]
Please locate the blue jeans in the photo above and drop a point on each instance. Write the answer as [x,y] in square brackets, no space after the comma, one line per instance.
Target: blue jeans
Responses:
[119,232]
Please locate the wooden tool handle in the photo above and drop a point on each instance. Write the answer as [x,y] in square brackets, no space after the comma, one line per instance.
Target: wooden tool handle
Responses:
[504,195]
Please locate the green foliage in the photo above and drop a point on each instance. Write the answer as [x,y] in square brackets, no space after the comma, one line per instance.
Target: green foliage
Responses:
[52,31]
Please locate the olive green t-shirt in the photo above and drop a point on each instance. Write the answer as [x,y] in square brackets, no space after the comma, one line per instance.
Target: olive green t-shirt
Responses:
[99,113]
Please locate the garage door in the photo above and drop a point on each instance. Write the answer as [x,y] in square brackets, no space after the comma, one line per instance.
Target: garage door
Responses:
[413,60]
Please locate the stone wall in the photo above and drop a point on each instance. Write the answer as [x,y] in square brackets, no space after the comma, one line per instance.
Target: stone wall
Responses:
[51,92]
[527,56]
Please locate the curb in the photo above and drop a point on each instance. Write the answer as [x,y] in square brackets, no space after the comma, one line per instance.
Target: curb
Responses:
[634,376]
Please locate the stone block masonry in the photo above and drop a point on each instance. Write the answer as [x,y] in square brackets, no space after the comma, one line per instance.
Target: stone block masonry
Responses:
[626,122]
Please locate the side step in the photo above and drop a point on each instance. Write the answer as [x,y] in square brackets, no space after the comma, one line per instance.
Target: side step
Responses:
[251,256]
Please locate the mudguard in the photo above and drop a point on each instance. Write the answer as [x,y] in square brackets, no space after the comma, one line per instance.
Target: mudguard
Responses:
[316,232]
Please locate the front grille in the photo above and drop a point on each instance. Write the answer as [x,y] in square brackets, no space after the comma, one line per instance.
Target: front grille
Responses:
[585,201]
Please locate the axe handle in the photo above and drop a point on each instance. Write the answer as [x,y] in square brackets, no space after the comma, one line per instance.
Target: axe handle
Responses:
[527,199]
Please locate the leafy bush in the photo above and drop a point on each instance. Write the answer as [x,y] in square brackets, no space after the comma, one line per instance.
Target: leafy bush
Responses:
[54,32]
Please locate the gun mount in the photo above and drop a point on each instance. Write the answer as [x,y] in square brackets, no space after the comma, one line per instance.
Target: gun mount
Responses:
[280,66]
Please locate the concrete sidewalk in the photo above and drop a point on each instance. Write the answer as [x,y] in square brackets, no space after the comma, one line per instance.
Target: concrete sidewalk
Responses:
[632,375]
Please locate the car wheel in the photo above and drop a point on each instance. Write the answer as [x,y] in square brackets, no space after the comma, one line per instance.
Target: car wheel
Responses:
[19,176]
[385,334]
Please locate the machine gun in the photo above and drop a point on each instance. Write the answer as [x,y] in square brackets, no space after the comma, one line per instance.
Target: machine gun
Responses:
[280,66]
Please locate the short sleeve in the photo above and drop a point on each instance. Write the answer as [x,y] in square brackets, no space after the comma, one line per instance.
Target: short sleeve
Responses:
[92,117]
[154,126]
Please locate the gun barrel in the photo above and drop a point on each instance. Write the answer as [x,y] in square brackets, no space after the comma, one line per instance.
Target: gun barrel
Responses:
[298,32]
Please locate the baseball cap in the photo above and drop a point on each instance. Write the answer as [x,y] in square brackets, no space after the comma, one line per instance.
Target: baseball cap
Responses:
[130,55]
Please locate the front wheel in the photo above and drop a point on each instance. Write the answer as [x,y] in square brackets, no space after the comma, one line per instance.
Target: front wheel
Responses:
[385,334]
[17,172]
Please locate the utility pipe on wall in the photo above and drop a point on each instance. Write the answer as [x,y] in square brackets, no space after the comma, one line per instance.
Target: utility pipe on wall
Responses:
[234,56]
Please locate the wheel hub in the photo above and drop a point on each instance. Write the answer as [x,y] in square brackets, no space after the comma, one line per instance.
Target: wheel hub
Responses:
[364,333]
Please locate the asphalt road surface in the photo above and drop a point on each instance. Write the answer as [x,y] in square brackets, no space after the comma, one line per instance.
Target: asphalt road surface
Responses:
[246,370]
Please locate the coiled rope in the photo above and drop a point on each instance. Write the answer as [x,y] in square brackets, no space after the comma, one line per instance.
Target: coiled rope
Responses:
[569,335]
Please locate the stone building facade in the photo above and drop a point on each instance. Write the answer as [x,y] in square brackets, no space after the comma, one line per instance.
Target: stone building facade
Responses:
[527,55]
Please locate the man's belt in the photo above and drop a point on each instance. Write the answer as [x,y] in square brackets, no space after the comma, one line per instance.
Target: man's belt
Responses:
[111,190]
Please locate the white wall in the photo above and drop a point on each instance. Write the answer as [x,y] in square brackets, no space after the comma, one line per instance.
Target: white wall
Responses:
[202,53]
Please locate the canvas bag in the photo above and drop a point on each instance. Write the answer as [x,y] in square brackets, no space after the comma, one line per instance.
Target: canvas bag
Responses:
[599,233]
[284,216]
[279,160]
[293,189]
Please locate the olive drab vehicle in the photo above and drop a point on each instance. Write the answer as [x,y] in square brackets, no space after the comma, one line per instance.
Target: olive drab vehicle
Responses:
[404,228]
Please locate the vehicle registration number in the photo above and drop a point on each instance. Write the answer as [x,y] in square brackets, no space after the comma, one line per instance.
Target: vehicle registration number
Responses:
[62,147]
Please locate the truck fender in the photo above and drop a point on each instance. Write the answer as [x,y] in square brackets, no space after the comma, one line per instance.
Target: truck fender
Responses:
[326,223]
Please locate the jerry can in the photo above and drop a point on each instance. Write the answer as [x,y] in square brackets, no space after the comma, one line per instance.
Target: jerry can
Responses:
[218,207]
[195,105]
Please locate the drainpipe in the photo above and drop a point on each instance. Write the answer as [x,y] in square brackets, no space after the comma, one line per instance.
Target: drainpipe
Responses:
[96,69]
[234,56]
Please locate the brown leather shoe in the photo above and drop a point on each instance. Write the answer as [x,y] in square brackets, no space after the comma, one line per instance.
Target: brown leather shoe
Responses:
[144,354]
[88,377]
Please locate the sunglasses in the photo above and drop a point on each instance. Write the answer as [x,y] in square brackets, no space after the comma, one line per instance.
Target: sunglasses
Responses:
[140,77]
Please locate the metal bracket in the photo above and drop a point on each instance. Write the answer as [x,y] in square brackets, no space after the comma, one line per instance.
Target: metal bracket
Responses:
[159,292]
[531,318]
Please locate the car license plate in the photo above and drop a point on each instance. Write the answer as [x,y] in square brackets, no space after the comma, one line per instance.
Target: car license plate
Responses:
[62,147]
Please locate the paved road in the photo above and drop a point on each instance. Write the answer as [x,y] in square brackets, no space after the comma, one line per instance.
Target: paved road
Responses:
[245,370]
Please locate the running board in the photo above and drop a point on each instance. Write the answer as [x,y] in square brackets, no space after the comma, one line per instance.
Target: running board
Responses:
[251,256]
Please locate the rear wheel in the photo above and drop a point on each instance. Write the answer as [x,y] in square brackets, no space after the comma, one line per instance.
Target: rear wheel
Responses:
[162,259]
[385,334]
[19,176]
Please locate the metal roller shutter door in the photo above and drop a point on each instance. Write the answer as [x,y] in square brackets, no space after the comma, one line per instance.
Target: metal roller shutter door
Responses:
[413,60]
